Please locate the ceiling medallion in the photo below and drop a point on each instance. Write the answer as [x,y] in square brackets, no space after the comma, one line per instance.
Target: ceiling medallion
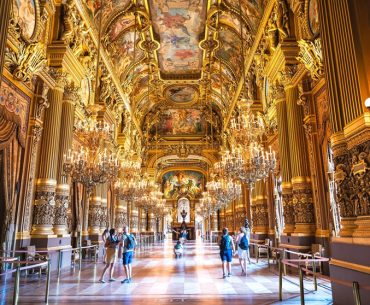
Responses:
[209,44]
[181,94]
[149,45]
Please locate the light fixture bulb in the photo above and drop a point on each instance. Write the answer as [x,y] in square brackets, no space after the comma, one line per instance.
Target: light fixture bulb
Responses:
[367,103]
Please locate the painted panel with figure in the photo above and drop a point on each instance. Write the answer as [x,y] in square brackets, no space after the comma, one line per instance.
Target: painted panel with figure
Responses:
[230,50]
[122,52]
[181,94]
[182,183]
[25,15]
[180,122]
[179,25]
[252,9]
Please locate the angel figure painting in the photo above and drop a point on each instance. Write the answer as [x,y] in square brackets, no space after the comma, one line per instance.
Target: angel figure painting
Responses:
[182,183]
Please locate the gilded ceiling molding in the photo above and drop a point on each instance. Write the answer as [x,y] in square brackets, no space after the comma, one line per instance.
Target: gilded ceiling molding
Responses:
[106,60]
[249,58]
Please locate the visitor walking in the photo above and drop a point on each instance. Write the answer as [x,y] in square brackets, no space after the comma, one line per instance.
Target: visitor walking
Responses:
[227,248]
[242,243]
[111,246]
[128,247]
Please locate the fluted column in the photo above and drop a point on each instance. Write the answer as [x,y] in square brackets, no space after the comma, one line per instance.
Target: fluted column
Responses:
[284,159]
[62,194]
[347,82]
[5,6]
[43,214]
[301,183]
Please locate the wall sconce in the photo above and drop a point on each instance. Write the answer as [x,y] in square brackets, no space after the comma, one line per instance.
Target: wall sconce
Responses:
[367,103]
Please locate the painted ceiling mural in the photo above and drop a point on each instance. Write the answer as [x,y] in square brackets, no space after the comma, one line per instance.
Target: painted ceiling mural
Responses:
[94,7]
[180,122]
[178,183]
[252,10]
[230,50]
[181,94]
[122,52]
[179,25]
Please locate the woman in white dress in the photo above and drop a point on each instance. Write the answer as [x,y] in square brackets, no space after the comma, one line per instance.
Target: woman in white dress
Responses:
[243,248]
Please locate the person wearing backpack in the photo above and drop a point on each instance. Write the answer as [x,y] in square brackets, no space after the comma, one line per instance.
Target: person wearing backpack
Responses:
[242,242]
[227,248]
[111,246]
[128,247]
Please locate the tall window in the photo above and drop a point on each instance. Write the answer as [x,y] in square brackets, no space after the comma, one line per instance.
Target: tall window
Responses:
[332,192]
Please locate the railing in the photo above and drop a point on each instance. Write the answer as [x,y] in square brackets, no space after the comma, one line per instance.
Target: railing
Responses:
[145,241]
[290,262]
[60,255]
[17,271]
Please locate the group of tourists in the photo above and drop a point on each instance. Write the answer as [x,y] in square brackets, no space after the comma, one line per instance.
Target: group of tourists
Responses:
[120,245]
[228,247]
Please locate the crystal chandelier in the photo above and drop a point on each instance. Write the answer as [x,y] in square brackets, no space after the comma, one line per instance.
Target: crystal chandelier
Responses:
[249,163]
[89,167]
[93,132]
[245,126]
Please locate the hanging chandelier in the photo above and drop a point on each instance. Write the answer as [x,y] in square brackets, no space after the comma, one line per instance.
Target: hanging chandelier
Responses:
[245,127]
[89,167]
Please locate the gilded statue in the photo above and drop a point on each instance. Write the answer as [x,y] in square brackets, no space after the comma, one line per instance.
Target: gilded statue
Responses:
[282,19]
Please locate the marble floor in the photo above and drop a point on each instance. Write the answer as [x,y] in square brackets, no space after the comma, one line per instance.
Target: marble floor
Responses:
[159,278]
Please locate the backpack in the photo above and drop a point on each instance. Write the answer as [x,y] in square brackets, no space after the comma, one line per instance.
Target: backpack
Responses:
[244,243]
[225,243]
[177,246]
[129,242]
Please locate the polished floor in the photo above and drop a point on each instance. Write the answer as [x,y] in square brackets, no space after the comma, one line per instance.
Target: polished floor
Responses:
[159,278]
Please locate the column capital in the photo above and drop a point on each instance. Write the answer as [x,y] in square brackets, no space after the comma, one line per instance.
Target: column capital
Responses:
[286,75]
[60,77]
[71,94]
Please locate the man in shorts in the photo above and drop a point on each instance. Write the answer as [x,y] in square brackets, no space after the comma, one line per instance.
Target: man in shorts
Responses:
[227,248]
[128,245]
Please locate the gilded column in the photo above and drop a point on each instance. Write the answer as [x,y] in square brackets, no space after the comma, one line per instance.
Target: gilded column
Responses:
[151,222]
[142,220]
[62,194]
[120,219]
[134,218]
[260,222]
[43,214]
[95,215]
[316,160]
[301,183]
[104,207]
[284,159]
[346,75]
[214,222]
[5,6]
[31,160]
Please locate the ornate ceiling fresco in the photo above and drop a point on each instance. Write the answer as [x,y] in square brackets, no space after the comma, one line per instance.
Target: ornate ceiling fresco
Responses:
[177,60]
[179,25]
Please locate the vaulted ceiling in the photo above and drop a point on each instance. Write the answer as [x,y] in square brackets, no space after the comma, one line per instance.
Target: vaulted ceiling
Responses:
[179,60]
